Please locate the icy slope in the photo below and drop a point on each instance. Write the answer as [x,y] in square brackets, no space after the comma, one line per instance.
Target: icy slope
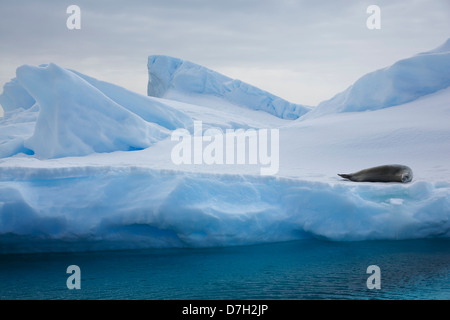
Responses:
[15,96]
[404,81]
[185,81]
[148,108]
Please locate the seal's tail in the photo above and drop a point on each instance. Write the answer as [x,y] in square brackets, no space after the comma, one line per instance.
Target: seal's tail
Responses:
[343,175]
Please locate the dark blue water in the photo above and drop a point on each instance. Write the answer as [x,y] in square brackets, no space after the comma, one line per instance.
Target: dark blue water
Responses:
[306,269]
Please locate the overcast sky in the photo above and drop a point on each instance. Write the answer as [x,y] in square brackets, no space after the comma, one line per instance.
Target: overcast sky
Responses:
[303,51]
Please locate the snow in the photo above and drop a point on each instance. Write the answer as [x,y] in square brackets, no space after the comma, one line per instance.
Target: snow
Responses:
[186,81]
[59,193]
[404,81]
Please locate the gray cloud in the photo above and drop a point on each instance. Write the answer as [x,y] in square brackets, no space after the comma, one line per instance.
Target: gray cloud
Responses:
[305,51]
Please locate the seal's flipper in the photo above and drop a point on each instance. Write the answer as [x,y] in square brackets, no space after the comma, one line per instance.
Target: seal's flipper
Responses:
[343,175]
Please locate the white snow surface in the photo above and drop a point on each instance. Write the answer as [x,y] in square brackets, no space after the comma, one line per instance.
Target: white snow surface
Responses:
[119,198]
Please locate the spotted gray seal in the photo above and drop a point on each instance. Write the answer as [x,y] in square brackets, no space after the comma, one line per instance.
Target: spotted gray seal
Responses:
[386,173]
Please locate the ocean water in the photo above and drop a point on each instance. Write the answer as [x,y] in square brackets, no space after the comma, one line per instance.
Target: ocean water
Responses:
[305,269]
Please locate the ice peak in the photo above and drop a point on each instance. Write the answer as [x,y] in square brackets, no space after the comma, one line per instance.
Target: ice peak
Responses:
[404,81]
[77,119]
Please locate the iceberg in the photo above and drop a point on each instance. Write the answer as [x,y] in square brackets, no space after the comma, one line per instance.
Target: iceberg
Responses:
[404,81]
[186,81]
[15,96]
[88,167]
[81,115]
[75,119]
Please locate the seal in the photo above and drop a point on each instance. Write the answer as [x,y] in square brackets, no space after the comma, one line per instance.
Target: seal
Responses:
[386,173]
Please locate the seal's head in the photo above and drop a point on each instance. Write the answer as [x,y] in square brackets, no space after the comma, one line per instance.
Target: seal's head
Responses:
[407,176]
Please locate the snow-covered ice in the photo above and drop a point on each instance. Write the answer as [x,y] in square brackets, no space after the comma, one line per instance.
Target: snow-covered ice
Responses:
[86,165]
[404,81]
